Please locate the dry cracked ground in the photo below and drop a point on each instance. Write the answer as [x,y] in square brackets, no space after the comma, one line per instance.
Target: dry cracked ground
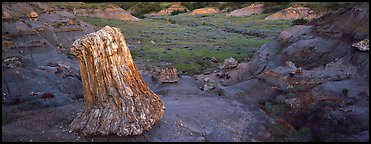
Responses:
[292,83]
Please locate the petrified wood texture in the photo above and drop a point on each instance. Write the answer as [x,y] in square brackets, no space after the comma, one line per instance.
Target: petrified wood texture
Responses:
[168,75]
[116,99]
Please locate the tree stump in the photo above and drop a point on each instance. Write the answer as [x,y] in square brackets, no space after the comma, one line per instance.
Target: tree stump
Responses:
[116,99]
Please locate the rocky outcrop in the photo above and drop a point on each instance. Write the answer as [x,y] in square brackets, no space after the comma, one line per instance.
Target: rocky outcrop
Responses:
[208,10]
[176,6]
[297,12]
[35,54]
[168,75]
[247,11]
[319,72]
[230,63]
[113,12]
[116,99]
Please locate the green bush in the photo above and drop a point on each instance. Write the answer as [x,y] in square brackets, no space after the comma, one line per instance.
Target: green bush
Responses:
[300,21]
[140,9]
[176,12]
[230,6]
[196,5]
[126,5]
[271,7]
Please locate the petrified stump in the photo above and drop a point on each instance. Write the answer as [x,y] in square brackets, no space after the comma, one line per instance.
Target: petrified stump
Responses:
[168,75]
[116,99]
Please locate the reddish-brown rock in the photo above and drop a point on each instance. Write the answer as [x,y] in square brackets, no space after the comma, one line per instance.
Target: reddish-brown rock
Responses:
[168,75]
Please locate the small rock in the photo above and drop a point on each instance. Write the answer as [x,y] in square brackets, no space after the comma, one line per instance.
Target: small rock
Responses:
[33,15]
[230,63]
[6,15]
[290,65]
[213,60]
[209,86]
[34,93]
[71,22]
[362,45]
[47,95]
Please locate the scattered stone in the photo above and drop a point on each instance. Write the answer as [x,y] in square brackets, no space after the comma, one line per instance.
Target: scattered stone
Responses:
[223,75]
[33,15]
[230,63]
[213,60]
[168,75]
[34,93]
[210,84]
[6,15]
[290,65]
[71,22]
[298,71]
[362,45]
[47,95]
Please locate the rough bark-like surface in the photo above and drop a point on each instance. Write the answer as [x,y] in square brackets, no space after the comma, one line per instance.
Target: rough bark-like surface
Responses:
[168,75]
[116,99]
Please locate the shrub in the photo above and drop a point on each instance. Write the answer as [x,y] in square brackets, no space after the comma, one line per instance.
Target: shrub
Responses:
[140,9]
[126,5]
[271,7]
[176,12]
[230,6]
[196,5]
[300,21]
[345,91]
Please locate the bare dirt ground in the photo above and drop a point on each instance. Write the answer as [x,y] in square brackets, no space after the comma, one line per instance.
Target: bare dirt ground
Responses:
[190,115]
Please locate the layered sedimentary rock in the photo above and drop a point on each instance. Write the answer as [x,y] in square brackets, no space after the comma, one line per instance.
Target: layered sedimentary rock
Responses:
[247,11]
[112,12]
[116,99]
[294,13]
[207,10]
[176,6]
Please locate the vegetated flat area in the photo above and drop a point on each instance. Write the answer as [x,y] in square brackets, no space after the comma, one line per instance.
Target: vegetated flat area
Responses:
[188,42]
